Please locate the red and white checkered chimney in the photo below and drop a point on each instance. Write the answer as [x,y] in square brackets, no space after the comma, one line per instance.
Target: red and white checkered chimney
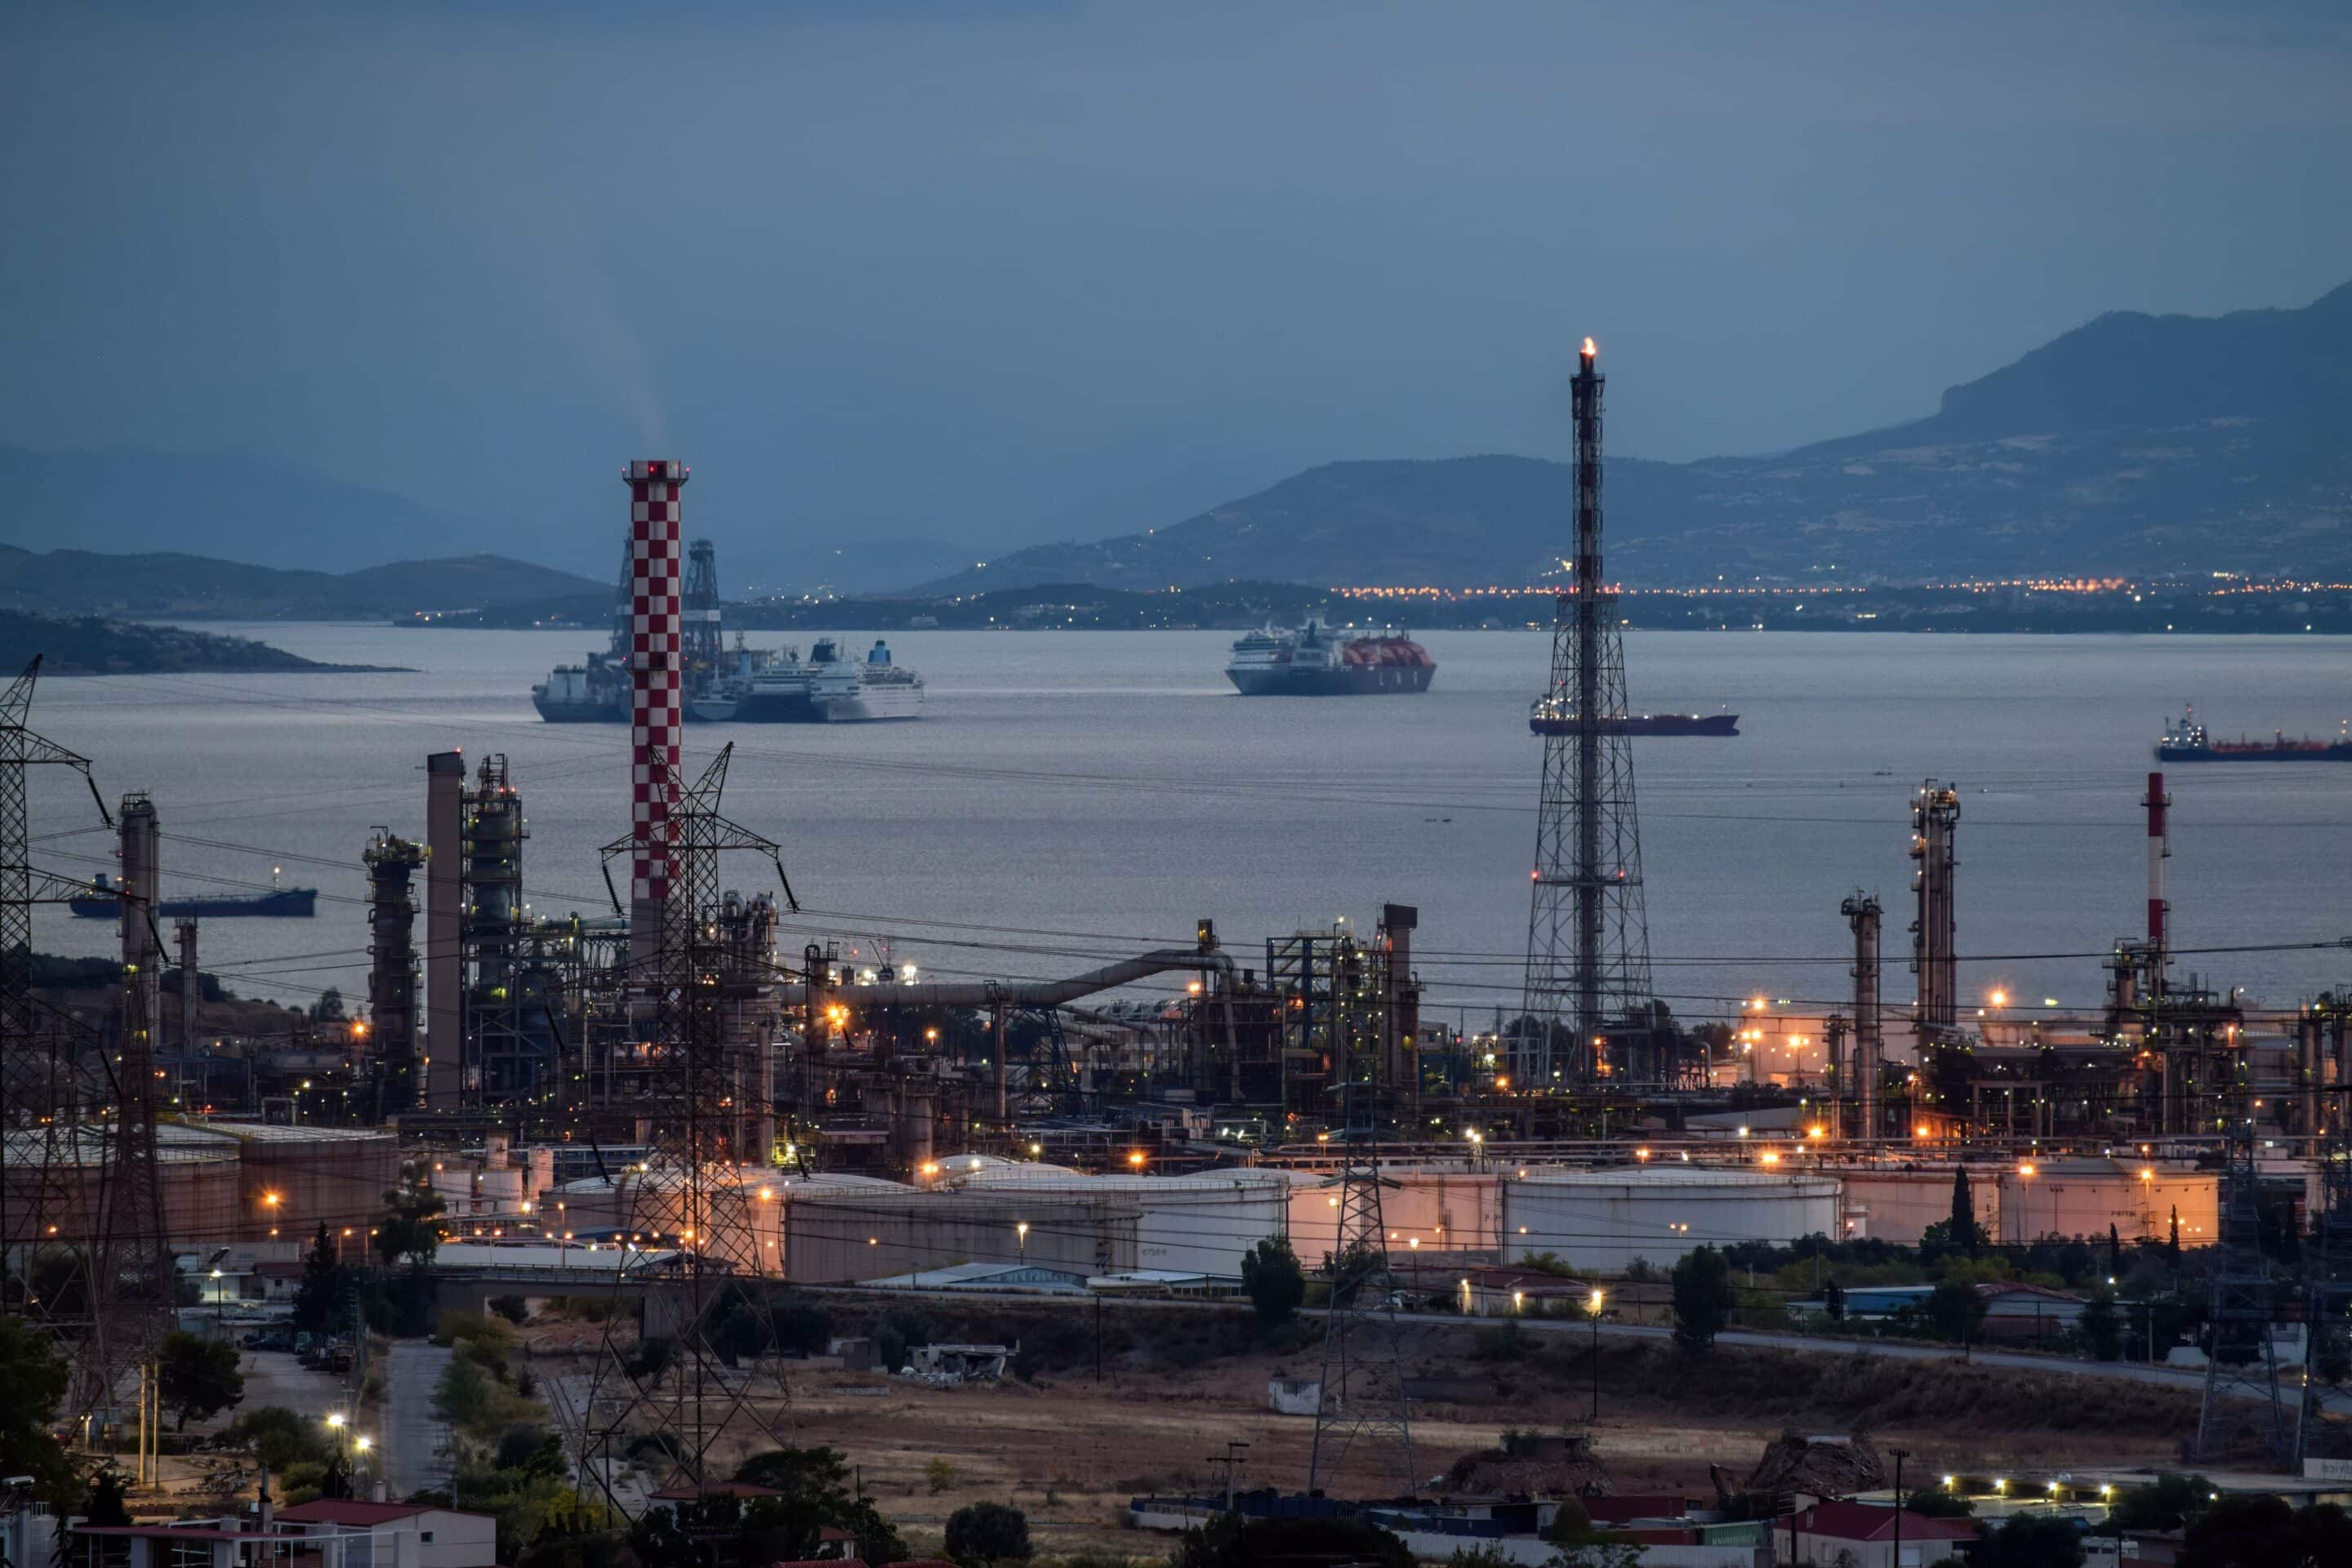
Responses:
[656,708]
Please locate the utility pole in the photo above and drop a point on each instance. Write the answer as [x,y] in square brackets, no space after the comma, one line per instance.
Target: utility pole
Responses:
[1900,1455]
[1231,1459]
[1362,1390]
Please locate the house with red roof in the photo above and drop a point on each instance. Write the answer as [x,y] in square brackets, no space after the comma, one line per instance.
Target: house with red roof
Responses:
[1877,1537]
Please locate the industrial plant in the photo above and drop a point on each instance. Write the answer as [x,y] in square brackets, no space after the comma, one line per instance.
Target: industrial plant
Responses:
[671,1097]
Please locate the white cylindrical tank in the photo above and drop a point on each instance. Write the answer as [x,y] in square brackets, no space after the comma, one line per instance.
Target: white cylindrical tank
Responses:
[2083,1198]
[1604,1221]
[1897,1203]
[742,1220]
[1197,1223]
[1441,1211]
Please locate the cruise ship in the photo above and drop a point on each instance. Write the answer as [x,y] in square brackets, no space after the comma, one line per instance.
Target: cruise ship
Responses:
[824,688]
[1315,661]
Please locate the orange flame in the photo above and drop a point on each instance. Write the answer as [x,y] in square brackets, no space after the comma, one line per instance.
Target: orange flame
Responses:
[1588,350]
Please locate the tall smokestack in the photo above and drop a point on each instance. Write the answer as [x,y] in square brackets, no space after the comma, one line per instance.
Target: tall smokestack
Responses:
[445,893]
[2160,847]
[656,698]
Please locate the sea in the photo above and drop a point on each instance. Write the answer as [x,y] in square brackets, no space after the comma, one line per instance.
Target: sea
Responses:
[1072,797]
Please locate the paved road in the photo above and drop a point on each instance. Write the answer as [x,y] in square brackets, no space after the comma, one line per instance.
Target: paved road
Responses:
[413,1436]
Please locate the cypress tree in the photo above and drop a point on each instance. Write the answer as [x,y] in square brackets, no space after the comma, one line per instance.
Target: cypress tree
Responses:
[1964,1212]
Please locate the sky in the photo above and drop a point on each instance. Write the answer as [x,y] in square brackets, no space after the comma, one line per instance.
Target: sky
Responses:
[1000,272]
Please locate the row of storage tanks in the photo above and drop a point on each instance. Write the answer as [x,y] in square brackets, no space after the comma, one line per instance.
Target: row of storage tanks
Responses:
[222,1182]
[979,1209]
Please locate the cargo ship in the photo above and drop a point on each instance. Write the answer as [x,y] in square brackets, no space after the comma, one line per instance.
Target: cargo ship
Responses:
[1551,717]
[1315,661]
[826,688]
[2186,740]
[279,903]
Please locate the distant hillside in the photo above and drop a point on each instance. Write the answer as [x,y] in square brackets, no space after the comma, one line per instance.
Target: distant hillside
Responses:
[65,580]
[2136,444]
[92,645]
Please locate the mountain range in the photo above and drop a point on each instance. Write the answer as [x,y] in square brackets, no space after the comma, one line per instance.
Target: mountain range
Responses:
[2136,444]
[169,583]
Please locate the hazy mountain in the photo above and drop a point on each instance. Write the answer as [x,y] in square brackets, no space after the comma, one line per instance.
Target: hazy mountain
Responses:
[2136,444]
[167,584]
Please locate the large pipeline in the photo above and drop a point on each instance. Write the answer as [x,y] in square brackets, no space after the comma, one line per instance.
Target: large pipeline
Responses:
[999,996]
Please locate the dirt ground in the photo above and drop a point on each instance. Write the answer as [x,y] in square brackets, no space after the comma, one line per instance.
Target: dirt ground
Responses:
[1070,1452]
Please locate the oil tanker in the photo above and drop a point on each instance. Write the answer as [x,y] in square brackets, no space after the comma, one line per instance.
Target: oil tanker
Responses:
[1550,717]
[279,903]
[1315,661]
[2186,740]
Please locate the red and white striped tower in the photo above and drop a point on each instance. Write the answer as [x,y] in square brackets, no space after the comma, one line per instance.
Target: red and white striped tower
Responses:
[2160,846]
[657,570]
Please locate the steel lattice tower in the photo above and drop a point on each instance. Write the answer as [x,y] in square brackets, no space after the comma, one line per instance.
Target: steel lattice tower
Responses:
[1588,934]
[2241,1362]
[1362,1393]
[2328,1312]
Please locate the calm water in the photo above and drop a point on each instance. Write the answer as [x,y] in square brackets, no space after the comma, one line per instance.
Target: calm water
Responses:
[1071,796]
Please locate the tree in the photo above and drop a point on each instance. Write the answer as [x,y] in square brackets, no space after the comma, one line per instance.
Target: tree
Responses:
[2103,1326]
[815,1491]
[324,1296]
[330,1006]
[410,1227]
[2172,1239]
[2115,1253]
[1232,1541]
[1954,1310]
[986,1533]
[2264,1532]
[1964,1212]
[2031,1541]
[35,1377]
[199,1378]
[1833,1300]
[1274,1282]
[2168,1503]
[1703,1299]
[106,1509]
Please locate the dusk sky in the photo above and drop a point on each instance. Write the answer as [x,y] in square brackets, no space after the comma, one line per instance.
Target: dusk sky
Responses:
[1002,272]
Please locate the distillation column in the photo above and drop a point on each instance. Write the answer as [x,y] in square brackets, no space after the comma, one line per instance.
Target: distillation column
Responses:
[445,927]
[143,944]
[1935,820]
[1861,913]
[190,986]
[391,866]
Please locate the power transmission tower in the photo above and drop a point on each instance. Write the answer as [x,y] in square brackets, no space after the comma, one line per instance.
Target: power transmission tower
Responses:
[2241,1362]
[706,1094]
[91,1267]
[1362,1395]
[1588,933]
[2328,1315]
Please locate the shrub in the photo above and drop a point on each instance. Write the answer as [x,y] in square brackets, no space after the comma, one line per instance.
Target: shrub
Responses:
[983,1532]
[939,1475]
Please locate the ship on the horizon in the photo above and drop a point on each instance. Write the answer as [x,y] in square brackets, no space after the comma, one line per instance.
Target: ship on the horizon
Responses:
[1315,661]
[279,903]
[825,689]
[750,685]
[1549,716]
[2186,740]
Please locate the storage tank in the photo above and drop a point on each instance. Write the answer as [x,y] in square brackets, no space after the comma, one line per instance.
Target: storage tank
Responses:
[1604,1221]
[743,1221]
[839,1236]
[294,1179]
[1444,1211]
[2082,1197]
[62,1182]
[1200,1223]
[1897,1203]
